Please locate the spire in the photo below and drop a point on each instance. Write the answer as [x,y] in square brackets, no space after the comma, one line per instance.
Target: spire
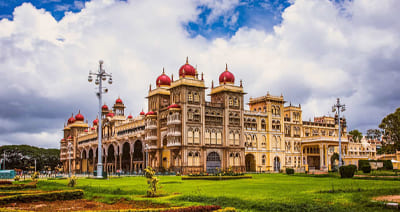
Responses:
[150,88]
[187,60]
[172,77]
[241,85]
[202,76]
[212,83]
[226,66]
[163,71]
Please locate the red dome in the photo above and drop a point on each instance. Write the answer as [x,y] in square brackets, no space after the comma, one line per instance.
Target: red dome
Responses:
[93,128]
[79,117]
[163,79]
[69,137]
[110,114]
[71,120]
[150,113]
[86,130]
[142,113]
[187,70]
[104,107]
[226,77]
[96,121]
[62,139]
[118,101]
[130,117]
[174,106]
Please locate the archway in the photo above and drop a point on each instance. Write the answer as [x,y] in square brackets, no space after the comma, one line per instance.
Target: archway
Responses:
[126,157]
[84,161]
[110,159]
[250,162]
[213,162]
[138,156]
[91,161]
[277,164]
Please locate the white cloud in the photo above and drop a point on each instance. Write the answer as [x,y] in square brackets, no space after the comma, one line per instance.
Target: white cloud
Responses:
[319,52]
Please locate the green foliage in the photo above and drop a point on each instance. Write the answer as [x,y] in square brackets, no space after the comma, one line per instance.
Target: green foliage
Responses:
[35,175]
[152,181]
[18,186]
[366,169]
[347,171]
[42,196]
[387,164]
[374,134]
[16,178]
[391,131]
[72,181]
[23,157]
[5,182]
[357,135]
[289,171]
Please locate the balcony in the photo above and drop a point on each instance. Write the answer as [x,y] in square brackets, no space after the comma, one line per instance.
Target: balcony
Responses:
[175,121]
[174,134]
[151,138]
[150,147]
[175,143]
[151,127]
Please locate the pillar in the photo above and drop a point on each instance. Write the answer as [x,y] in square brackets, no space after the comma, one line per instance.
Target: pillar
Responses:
[115,163]
[120,161]
[130,165]
[321,155]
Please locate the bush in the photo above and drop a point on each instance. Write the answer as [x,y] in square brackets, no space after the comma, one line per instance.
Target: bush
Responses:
[5,182]
[388,165]
[44,196]
[366,168]
[152,181]
[215,177]
[289,171]
[18,186]
[17,178]
[347,171]
[35,175]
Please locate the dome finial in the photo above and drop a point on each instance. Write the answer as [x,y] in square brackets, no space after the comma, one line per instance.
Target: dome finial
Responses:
[187,60]
[163,70]
[226,66]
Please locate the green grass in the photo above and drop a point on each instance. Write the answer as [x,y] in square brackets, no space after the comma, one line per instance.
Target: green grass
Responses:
[264,192]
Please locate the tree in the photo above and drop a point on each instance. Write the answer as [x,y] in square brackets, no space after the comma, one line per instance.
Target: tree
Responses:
[357,135]
[391,129]
[374,134]
[24,156]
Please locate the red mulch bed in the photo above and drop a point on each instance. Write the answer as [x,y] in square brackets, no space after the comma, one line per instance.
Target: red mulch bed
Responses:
[81,204]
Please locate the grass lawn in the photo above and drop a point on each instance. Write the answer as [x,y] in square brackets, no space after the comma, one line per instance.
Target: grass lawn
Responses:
[264,192]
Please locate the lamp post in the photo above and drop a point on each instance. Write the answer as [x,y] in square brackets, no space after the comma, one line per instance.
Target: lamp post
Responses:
[69,159]
[100,76]
[339,108]
[147,157]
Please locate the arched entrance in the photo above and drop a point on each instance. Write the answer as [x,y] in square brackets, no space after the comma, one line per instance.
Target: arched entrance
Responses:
[126,157]
[111,159]
[84,161]
[250,162]
[277,164]
[138,156]
[213,162]
[91,161]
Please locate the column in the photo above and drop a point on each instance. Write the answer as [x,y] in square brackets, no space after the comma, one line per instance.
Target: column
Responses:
[130,165]
[120,161]
[321,155]
[326,155]
[105,168]
[115,162]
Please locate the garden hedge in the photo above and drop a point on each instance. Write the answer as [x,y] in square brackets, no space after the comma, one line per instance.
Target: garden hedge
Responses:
[347,171]
[43,196]
[204,208]
[215,177]
[18,186]
[387,164]
[366,168]
[289,171]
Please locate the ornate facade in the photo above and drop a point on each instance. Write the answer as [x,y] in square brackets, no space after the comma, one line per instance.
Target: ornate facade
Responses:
[182,132]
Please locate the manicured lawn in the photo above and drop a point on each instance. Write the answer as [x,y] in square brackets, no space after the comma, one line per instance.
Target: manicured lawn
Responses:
[264,192]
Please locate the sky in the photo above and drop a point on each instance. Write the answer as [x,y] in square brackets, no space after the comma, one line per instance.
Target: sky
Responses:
[310,51]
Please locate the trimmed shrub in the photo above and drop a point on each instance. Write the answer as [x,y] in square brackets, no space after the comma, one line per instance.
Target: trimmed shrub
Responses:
[5,182]
[18,186]
[152,181]
[289,171]
[362,163]
[366,169]
[44,196]
[388,165]
[347,171]
[17,178]
[72,181]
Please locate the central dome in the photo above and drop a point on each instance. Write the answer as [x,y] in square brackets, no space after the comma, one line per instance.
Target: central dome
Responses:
[79,117]
[163,80]
[187,70]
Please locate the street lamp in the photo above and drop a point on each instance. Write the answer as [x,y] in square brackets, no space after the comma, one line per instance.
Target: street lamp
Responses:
[339,108]
[69,159]
[100,76]
[147,157]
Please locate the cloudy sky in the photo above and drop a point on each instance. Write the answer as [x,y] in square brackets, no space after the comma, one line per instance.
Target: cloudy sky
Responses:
[311,51]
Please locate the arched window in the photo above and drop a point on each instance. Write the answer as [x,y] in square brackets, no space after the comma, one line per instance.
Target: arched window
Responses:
[219,137]
[263,160]
[231,159]
[196,136]
[230,101]
[236,102]
[237,140]
[208,137]
[196,97]
[190,96]
[197,159]
[231,138]
[213,137]
[263,125]
[237,159]
[190,159]
[190,136]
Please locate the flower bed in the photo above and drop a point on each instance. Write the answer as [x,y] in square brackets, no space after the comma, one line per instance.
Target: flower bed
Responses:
[215,177]
[42,196]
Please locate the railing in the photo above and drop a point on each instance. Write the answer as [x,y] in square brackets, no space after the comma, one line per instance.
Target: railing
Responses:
[151,137]
[151,127]
[176,143]
[212,104]
[323,138]
[175,121]
[176,133]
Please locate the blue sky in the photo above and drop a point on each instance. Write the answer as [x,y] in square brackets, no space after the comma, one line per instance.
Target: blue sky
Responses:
[311,51]
[258,14]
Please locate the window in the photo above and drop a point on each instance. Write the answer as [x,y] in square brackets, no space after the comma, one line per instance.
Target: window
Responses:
[190,97]
[190,159]
[230,101]
[219,138]
[190,136]
[263,159]
[196,136]
[196,97]
[263,125]
[236,102]
[236,140]
[208,137]
[231,138]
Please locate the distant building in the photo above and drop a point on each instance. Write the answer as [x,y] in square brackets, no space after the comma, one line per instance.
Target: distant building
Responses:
[182,132]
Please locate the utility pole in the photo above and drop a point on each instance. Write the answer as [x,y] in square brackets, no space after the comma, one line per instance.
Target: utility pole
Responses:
[339,108]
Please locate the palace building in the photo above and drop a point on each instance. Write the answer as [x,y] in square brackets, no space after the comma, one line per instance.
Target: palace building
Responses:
[182,132]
